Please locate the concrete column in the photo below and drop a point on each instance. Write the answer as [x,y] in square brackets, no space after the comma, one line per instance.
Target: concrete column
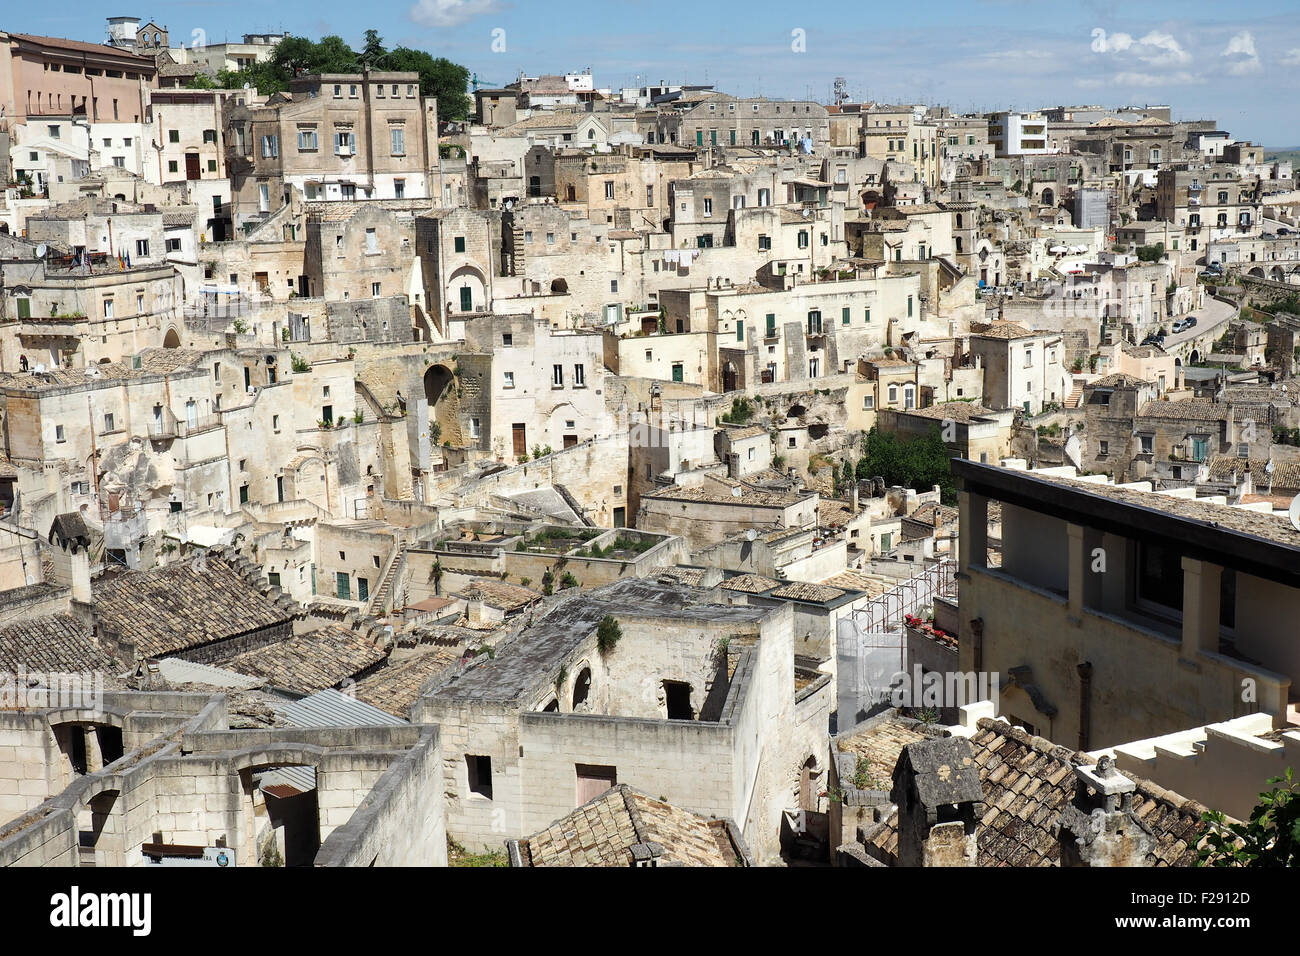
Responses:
[1200,607]
[973,538]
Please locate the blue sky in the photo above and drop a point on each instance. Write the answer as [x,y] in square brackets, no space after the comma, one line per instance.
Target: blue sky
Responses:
[1236,62]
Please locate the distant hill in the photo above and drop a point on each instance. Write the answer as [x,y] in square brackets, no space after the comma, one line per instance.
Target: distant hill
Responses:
[1284,152]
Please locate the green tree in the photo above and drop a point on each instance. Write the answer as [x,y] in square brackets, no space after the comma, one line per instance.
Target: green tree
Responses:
[439,77]
[919,463]
[1270,838]
[372,47]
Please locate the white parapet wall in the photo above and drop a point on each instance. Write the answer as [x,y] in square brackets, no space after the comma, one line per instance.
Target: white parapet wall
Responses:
[1224,766]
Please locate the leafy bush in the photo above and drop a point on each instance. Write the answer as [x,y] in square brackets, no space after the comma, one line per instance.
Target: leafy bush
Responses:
[1270,838]
[608,634]
[299,363]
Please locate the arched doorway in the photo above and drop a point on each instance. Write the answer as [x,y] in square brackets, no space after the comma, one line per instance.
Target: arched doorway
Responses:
[1194,357]
[1049,197]
[729,377]
[171,340]
[437,381]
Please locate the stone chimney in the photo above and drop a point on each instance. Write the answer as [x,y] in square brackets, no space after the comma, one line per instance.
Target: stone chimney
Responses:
[71,538]
[1100,828]
[940,803]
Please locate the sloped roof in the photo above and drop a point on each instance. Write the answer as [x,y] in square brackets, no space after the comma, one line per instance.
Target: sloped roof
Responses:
[310,662]
[182,605]
[53,643]
[1027,781]
[604,831]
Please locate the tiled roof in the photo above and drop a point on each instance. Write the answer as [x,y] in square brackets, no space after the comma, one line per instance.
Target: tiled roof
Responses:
[1000,330]
[53,643]
[857,581]
[153,362]
[690,576]
[956,411]
[1117,380]
[604,831]
[141,62]
[749,583]
[879,741]
[183,605]
[801,591]
[394,687]
[724,491]
[310,662]
[499,594]
[748,431]
[1028,781]
[1286,474]
[1198,409]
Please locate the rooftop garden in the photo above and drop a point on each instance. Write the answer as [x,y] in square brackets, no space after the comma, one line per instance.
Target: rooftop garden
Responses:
[557,540]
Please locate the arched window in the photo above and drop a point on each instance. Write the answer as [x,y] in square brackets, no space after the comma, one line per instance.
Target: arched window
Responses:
[582,688]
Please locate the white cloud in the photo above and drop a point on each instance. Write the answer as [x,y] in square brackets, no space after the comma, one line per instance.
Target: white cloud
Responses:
[1103,42]
[1292,57]
[450,13]
[1155,49]
[1240,54]
[1161,49]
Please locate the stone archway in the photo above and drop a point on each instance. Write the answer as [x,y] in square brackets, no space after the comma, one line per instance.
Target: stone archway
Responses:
[729,377]
[1049,197]
[443,398]
[171,340]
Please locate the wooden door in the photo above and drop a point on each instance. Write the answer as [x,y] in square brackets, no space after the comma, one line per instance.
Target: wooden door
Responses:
[192,166]
[519,432]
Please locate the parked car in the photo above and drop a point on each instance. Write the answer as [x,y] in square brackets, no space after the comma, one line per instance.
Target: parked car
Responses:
[1214,267]
[1283,231]
[1179,326]
[1189,322]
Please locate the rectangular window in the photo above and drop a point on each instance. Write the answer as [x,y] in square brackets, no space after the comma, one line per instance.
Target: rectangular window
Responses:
[474,428]
[344,142]
[579,376]
[609,190]
[557,376]
[708,207]
[678,369]
[372,242]
[399,188]
[270,147]
[479,771]
[844,315]
[740,330]
[771,325]
[803,239]
[397,136]
[342,586]
[108,308]
[307,141]
[509,379]
[764,243]
[460,243]
[142,247]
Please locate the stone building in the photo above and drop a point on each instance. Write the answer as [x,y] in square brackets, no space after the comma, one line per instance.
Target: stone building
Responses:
[1184,580]
[694,701]
[333,137]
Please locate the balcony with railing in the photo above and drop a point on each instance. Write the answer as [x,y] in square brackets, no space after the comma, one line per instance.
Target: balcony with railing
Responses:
[165,426]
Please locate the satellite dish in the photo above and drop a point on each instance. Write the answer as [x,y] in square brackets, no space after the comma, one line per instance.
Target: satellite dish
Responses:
[41,249]
[751,534]
[1294,512]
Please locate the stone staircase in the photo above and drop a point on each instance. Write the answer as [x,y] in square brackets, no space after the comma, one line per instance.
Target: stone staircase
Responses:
[1075,397]
[379,599]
